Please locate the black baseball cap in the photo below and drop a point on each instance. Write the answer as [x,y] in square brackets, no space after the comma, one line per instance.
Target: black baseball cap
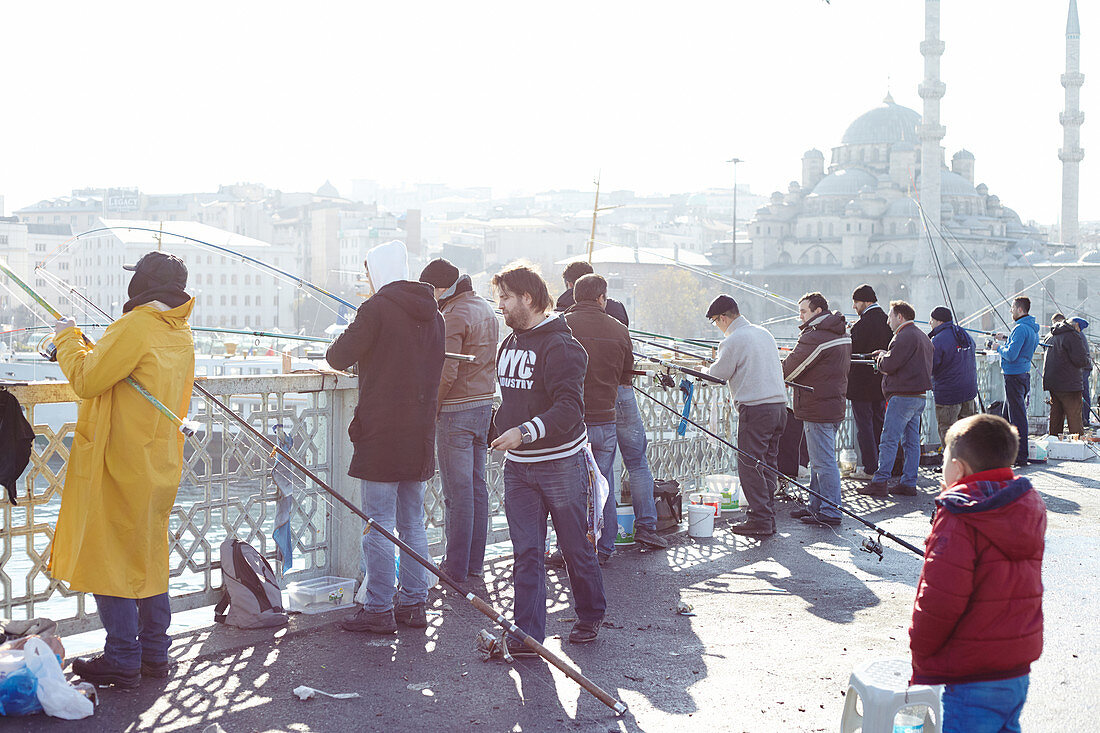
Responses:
[161,267]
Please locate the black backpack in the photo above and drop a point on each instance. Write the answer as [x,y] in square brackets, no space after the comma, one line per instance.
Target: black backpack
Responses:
[16,437]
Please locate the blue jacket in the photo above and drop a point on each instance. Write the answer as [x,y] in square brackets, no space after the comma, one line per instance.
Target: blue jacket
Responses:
[954,369]
[1016,353]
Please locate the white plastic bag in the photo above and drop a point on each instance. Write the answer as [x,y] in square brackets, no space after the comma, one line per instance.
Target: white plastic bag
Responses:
[599,494]
[59,699]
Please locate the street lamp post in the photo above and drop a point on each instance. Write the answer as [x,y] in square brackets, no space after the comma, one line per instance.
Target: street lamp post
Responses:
[733,239]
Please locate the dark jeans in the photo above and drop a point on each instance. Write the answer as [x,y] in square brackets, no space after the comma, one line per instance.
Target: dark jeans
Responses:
[558,489]
[1017,387]
[461,444]
[603,440]
[1086,399]
[137,629]
[868,417]
[1065,409]
[759,428]
[984,707]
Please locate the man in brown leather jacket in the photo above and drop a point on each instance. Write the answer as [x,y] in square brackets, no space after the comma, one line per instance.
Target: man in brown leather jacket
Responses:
[465,406]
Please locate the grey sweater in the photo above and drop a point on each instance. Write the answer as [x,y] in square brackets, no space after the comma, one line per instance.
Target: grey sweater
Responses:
[748,360]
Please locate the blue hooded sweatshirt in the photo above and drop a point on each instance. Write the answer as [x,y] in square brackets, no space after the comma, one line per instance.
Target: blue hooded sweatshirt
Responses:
[954,368]
[1016,353]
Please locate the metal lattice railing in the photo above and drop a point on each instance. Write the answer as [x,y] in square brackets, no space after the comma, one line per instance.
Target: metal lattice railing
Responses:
[227,490]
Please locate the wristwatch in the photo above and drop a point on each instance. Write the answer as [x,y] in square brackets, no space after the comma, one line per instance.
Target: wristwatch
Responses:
[525,434]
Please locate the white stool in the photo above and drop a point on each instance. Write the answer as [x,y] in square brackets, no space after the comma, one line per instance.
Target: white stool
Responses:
[883,687]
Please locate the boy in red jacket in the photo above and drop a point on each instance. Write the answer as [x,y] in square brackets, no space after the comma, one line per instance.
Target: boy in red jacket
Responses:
[978,616]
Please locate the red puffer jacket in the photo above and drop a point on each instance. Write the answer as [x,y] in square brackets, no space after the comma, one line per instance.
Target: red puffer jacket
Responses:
[979,609]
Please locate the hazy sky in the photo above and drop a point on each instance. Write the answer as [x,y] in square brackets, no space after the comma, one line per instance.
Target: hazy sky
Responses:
[519,95]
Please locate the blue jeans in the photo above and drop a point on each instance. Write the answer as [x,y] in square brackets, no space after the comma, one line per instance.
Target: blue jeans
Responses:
[559,489]
[868,417]
[137,629]
[602,438]
[461,445]
[397,504]
[632,442]
[901,426]
[1017,387]
[824,472]
[984,707]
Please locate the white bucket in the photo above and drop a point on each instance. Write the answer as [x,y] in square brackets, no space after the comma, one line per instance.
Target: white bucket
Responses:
[700,520]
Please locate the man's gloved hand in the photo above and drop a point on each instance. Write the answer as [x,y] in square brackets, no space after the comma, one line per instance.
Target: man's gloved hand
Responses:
[63,324]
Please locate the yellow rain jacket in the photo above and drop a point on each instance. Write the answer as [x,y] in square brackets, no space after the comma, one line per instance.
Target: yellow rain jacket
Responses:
[127,457]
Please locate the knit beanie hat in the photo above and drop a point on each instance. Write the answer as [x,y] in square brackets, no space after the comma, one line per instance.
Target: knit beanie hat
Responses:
[865,293]
[941,314]
[439,273]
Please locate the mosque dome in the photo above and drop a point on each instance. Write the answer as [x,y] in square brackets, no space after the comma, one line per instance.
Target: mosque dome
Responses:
[890,123]
[952,184]
[846,182]
[328,190]
[904,208]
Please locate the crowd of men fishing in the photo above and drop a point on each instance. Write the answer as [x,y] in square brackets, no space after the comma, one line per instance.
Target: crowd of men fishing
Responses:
[566,407]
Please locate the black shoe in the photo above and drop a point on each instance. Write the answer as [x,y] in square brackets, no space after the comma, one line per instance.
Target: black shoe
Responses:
[603,558]
[157,669]
[753,527]
[904,490]
[381,622]
[584,632]
[821,520]
[800,512]
[649,538]
[518,649]
[99,671]
[556,560]
[414,616]
[875,488]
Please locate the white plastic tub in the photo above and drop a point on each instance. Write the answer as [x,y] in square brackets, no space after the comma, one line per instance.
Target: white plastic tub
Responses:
[327,593]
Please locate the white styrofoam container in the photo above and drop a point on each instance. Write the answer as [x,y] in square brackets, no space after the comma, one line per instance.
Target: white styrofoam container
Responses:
[318,595]
[1069,450]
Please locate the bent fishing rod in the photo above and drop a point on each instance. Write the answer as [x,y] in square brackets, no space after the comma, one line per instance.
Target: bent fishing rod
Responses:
[703,375]
[185,426]
[869,546]
[618,707]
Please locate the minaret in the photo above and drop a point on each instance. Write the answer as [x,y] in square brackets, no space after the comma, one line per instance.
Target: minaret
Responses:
[1071,153]
[924,283]
[931,91]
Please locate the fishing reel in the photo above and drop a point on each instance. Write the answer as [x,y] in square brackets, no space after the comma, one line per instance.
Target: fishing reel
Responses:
[665,380]
[872,546]
[47,349]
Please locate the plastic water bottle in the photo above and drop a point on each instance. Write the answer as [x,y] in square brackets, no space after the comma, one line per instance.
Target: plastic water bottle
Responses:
[909,720]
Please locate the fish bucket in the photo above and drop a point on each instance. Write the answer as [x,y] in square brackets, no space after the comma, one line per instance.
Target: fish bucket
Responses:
[700,520]
[731,497]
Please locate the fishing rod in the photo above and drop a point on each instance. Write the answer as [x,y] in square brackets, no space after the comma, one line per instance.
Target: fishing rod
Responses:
[187,427]
[675,350]
[705,343]
[703,375]
[300,281]
[741,284]
[871,546]
[476,602]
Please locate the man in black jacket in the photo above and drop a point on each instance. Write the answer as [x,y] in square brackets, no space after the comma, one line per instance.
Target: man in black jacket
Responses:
[540,369]
[869,334]
[397,341]
[1065,358]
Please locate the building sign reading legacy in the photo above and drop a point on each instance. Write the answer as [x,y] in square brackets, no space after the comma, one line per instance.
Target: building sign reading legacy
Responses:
[122,200]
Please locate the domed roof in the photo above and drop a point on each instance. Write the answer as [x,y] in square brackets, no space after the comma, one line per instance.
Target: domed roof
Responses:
[327,189]
[952,184]
[890,123]
[845,182]
[904,207]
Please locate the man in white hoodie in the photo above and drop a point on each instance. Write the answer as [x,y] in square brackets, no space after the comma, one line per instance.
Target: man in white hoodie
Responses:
[397,341]
[748,360]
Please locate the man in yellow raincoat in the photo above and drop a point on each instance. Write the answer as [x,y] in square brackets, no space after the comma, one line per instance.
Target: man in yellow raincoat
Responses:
[124,469]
